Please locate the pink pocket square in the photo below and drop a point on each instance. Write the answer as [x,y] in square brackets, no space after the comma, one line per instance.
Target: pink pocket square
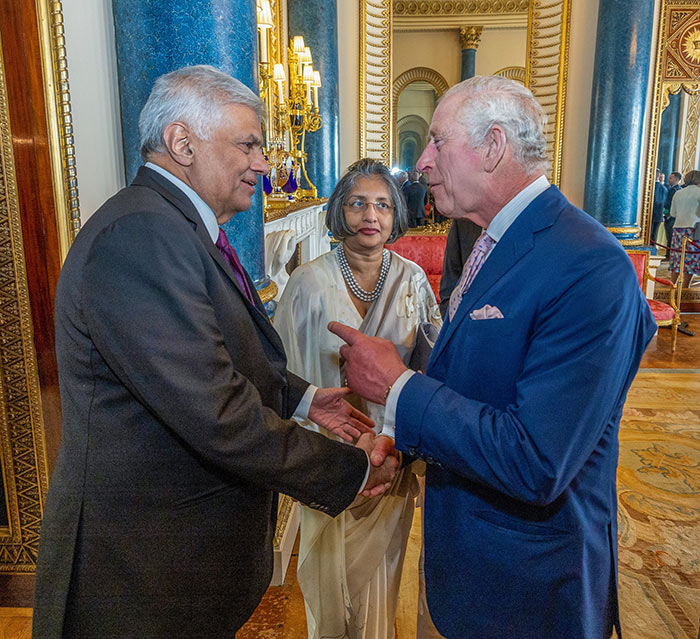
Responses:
[486,312]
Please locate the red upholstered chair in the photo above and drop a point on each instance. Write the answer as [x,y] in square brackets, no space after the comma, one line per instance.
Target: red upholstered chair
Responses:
[664,314]
[426,250]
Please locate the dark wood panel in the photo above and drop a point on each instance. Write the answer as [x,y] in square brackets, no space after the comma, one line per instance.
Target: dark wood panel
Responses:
[35,194]
[30,140]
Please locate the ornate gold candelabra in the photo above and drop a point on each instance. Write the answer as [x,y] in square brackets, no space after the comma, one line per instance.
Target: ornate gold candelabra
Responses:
[290,94]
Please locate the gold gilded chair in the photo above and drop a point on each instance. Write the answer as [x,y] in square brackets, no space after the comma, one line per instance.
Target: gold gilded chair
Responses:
[665,314]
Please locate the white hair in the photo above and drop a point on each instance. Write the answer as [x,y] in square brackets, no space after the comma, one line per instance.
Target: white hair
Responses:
[195,96]
[489,100]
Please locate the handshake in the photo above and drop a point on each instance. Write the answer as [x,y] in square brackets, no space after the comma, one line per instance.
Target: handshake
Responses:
[330,410]
[372,365]
[384,461]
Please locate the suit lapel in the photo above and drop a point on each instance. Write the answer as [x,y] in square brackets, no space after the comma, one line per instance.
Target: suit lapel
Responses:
[153,180]
[517,241]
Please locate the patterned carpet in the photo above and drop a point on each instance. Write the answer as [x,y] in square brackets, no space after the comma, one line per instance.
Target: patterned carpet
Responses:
[659,500]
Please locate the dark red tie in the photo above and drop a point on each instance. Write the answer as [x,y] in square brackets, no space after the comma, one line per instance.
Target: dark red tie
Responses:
[231,257]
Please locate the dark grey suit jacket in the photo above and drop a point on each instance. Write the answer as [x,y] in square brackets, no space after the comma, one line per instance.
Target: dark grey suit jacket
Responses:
[176,438]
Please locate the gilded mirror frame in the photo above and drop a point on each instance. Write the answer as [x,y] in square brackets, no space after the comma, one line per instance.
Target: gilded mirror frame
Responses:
[672,73]
[60,122]
[546,63]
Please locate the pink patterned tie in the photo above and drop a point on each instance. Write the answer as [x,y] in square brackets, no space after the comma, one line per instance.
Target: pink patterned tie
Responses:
[231,257]
[471,268]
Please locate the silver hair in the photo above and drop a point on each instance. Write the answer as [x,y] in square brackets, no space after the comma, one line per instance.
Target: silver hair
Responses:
[195,96]
[489,100]
[367,167]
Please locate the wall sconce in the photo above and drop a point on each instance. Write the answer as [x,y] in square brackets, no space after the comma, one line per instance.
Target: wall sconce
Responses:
[290,95]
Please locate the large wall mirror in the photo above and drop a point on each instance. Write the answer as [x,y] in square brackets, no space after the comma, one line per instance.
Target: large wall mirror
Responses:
[411,54]
[674,131]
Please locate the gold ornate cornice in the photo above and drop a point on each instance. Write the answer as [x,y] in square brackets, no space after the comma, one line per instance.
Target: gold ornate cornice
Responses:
[447,8]
[469,37]
[60,122]
[273,213]
[22,451]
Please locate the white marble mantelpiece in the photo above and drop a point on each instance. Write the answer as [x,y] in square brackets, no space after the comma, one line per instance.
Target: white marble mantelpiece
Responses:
[305,229]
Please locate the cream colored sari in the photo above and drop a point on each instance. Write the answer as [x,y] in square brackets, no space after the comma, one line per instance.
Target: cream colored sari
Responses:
[350,566]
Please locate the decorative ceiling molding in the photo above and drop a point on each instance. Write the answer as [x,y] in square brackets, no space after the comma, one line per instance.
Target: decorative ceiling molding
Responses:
[448,8]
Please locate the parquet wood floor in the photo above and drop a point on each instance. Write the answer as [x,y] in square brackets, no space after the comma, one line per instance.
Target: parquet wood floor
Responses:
[281,613]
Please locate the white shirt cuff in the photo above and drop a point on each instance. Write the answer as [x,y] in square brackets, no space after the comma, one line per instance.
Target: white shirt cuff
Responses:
[302,411]
[364,481]
[392,401]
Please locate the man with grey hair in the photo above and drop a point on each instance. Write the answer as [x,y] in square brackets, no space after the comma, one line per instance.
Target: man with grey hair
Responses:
[177,434]
[517,414]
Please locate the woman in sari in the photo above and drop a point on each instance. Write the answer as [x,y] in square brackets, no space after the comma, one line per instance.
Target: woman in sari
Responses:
[350,566]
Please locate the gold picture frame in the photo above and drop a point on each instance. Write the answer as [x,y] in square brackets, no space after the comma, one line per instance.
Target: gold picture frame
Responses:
[673,72]
[59,120]
[546,68]
[22,440]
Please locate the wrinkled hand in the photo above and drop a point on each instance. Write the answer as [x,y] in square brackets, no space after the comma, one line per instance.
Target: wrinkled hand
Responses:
[330,410]
[382,473]
[372,364]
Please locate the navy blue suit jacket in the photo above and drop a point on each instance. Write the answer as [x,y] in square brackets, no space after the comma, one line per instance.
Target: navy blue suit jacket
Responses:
[518,420]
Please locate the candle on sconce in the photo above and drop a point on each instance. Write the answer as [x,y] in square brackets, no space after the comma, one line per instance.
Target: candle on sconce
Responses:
[263,46]
[280,78]
[264,24]
[316,86]
[308,81]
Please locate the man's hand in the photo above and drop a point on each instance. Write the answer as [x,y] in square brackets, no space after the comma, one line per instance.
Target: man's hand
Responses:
[382,473]
[372,364]
[330,410]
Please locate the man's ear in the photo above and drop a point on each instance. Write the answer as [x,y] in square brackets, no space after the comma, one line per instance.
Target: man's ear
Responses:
[178,142]
[494,148]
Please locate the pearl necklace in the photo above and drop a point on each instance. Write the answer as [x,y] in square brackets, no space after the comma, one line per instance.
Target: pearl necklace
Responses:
[355,288]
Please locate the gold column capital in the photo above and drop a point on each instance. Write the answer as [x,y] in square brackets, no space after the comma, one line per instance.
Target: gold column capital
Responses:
[469,37]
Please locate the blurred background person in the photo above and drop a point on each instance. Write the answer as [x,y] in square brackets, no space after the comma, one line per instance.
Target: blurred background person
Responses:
[657,210]
[685,208]
[674,185]
[416,194]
